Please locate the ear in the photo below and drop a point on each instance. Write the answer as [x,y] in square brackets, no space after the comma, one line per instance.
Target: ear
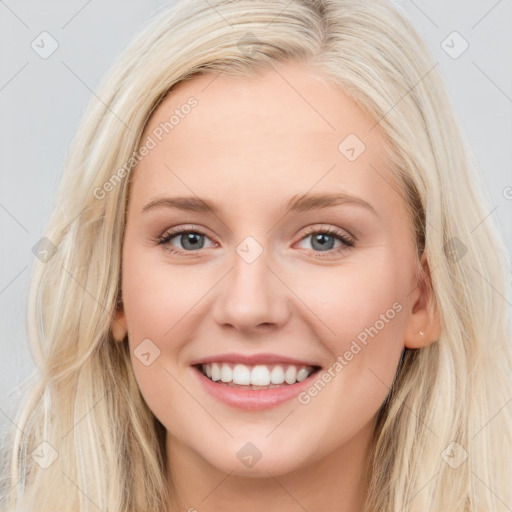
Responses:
[118,324]
[424,322]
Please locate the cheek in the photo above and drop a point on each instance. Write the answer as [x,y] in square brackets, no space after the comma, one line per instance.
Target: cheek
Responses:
[361,312]
[159,298]
[365,349]
[357,298]
[159,305]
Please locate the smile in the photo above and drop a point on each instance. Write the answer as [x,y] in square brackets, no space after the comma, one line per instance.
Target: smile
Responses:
[256,376]
[254,385]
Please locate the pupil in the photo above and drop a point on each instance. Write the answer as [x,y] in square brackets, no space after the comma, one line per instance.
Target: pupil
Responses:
[323,241]
[191,241]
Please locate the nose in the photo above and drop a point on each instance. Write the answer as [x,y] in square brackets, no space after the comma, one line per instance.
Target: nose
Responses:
[251,298]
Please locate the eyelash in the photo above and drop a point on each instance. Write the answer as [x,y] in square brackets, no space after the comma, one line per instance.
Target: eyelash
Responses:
[347,241]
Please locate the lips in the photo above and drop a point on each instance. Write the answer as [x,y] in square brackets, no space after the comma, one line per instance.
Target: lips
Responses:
[252,370]
[254,381]
[252,398]
[254,359]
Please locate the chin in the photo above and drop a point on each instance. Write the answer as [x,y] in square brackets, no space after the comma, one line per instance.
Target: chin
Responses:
[257,459]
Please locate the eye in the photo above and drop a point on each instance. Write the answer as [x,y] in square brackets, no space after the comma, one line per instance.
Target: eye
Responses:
[324,240]
[190,240]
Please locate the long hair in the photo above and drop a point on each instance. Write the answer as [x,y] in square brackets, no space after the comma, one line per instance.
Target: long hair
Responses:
[86,438]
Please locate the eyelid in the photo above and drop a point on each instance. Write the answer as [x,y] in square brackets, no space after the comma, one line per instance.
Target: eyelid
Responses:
[347,240]
[334,231]
[185,228]
[175,231]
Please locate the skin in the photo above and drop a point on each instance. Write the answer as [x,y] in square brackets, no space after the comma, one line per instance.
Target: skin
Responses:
[250,145]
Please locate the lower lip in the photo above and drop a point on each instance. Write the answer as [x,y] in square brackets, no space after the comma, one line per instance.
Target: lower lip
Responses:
[253,400]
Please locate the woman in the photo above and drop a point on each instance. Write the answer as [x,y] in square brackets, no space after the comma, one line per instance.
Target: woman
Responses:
[271,283]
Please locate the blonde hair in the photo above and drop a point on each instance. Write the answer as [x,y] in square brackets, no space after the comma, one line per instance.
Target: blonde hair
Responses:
[85,401]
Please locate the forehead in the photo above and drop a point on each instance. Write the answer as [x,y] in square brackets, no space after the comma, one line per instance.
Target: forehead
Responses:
[282,131]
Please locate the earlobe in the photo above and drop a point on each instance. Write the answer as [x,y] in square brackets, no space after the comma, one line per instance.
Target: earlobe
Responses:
[118,324]
[424,323]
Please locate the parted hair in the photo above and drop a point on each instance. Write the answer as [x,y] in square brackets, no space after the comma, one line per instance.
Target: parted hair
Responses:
[448,398]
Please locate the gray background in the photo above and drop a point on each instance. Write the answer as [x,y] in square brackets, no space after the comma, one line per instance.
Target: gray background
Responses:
[42,101]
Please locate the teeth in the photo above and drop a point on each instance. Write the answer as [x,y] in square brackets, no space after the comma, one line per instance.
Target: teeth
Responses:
[241,374]
[277,375]
[302,374]
[258,375]
[226,373]
[215,371]
[290,375]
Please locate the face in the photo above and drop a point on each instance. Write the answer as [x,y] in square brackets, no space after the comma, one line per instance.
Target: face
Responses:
[292,258]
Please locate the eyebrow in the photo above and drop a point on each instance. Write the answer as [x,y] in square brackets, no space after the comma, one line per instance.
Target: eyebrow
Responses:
[298,203]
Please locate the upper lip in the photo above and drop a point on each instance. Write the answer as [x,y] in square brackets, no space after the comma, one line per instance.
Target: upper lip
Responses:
[252,359]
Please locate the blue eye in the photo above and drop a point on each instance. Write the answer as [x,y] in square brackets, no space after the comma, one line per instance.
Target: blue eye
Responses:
[190,240]
[323,241]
